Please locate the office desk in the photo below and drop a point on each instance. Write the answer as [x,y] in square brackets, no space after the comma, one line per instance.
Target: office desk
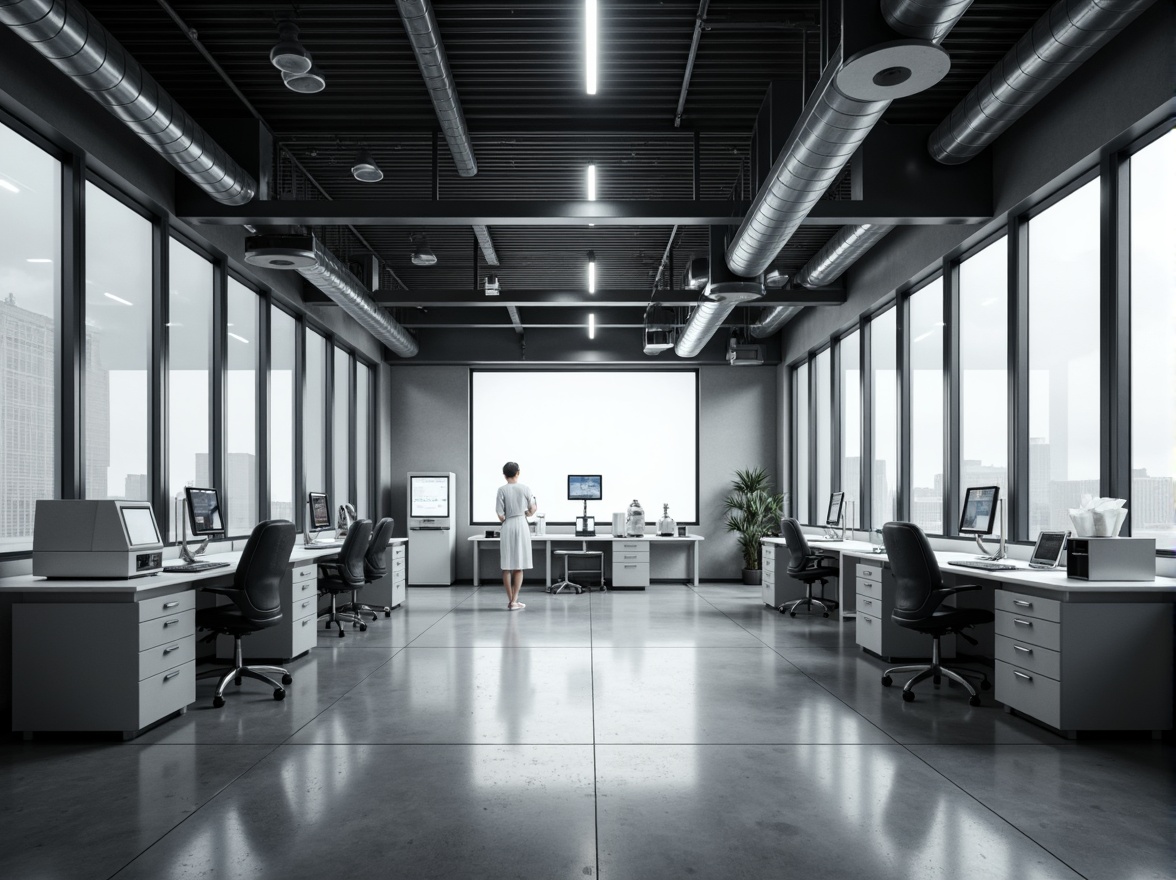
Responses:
[121,654]
[691,542]
[775,571]
[1071,654]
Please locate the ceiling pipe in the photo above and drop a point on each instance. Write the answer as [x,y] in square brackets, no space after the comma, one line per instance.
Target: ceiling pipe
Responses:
[345,290]
[842,251]
[486,243]
[1060,41]
[773,319]
[699,20]
[76,44]
[421,26]
[846,104]
[722,294]
[924,19]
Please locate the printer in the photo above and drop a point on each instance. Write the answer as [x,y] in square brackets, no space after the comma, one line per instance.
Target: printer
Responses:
[95,539]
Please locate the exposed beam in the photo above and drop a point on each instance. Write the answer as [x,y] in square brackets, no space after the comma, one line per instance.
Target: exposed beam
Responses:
[573,298]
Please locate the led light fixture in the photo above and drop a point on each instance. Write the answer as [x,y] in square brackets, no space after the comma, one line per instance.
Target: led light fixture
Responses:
[592,183]
[305,83]
[590,45]
[591,325]
[422,254]
[592,271]
[365,168]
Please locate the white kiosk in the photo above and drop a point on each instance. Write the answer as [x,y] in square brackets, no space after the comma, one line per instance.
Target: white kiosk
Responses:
[432,528]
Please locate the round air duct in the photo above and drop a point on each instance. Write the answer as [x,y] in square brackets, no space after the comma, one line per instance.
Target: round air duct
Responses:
[281,251]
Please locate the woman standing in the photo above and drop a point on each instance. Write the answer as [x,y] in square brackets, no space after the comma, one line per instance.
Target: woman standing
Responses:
[514,504]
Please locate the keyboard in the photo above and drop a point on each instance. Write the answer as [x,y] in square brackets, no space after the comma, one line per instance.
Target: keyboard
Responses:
[982,564]
[190,567]
[822,540]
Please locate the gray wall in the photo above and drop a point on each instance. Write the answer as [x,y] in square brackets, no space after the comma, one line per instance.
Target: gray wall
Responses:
[737,428]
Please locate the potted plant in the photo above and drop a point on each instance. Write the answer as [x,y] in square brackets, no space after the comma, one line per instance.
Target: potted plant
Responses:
[753,511]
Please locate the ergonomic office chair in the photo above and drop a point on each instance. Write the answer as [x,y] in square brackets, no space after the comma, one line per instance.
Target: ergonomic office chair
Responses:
[918,605]
[345,574]
[807,567]
[256,604]
[375,566]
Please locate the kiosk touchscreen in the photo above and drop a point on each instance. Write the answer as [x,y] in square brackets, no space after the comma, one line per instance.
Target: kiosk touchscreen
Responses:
[95,539]
[432,528]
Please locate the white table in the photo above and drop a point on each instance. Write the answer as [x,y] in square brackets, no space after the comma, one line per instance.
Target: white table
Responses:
[846,594]
[692,542]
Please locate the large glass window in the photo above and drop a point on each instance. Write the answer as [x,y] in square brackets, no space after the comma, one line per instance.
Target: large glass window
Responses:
[824,451]
[30,291]
[341,425]
[984,327]
[363,441]
[189,346]
[851,425]
[1064,413]
[884,370]
[800,497]
[926,335]
[280,435]
[241,353]
[117,348]
[314,415]
[1153,355]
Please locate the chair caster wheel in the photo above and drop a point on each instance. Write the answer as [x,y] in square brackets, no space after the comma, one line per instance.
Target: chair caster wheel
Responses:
[279,693]
[792,614]
[388,613]
[908,696]
[974,701]
[936,680]
[217,702]
[887,681]
[986,685]
[287,679]
[328,626]
[342,634]
[237,681]
[363,627]
[826,614]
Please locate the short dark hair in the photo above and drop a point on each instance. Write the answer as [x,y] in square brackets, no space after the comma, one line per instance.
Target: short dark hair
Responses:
[510,469]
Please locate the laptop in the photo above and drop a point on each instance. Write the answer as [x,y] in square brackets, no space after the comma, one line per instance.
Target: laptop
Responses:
[1047,552]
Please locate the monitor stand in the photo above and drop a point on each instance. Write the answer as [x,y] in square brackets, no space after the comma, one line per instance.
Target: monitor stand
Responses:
[585,524]
[1000,552]
[186,553]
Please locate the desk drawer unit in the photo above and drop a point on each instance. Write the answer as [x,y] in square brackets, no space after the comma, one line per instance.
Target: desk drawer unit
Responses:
[399,575]
[1085,665]
[630,564]
[768,581]
[876,632]
[116,666]
[288,638]
[777,587]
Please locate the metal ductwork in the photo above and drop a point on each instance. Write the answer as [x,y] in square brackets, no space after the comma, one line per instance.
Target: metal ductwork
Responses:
[842,251]
[421,26]
[722,293]
[81,48]
[772,320]
[486,243]
[848,101]
[924,19]
[1061,40]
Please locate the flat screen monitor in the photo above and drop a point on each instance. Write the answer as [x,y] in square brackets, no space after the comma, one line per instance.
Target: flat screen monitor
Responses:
[429,497]
[204,511]
[979,511]
[139,522]
[1047,552]
[585,487]
[320,511]
[836,504]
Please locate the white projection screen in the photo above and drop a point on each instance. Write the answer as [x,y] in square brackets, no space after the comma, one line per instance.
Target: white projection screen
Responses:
[639,430]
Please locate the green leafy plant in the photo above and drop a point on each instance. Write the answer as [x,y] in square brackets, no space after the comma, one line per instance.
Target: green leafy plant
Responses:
[753,511]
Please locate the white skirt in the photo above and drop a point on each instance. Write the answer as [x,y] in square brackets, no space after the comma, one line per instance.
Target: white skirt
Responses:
[514,546]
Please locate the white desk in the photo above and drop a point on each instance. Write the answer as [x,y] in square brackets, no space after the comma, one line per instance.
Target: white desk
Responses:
[691,542]
[1071,654]
[845,586]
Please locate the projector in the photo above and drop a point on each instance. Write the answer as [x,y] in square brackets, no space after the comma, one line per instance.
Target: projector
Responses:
[492,288]
[658,339]
[281,251]
[745,355]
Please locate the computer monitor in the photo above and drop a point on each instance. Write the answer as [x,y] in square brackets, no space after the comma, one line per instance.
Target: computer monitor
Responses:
[320,511]
[204,511]
[585,487]
[836,506]
[139,523]
[979,513]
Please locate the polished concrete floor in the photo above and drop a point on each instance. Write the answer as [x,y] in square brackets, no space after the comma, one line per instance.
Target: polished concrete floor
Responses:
[673,733]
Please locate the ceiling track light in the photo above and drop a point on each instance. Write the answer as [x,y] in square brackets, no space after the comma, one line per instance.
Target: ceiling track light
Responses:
[307,83]
[592,271]
[289,55]
[365,168]
[590,46]
[422,254]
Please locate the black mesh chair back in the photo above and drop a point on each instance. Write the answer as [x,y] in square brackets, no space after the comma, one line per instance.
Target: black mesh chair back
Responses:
[916,573]
[259,574]
[351,555]
[798,547]
[375,561]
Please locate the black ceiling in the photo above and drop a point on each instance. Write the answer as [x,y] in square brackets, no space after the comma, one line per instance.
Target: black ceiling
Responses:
[518,68]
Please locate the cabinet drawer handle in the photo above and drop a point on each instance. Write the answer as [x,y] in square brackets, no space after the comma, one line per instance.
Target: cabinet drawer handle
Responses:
[307,602]
[171,674]
[1020,622]
[167,605]
[867,619]
[867,602]
[630,566]
[1022,649]
[1022,603]
[1023,675]
[170,622]
[306,621]
[171,648]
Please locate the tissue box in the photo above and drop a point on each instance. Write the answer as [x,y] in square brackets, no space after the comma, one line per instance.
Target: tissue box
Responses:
[1111,559]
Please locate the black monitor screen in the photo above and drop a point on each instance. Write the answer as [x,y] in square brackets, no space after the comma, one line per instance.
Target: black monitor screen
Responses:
[836,501]
[320,511]
[979,510]
[585,487]
[204,511]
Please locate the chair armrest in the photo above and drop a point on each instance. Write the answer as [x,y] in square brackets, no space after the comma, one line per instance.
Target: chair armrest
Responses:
[944,592]
[223,591]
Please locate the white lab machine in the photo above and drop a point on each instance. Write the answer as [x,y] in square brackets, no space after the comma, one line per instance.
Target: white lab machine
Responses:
[432,528]
[95,539]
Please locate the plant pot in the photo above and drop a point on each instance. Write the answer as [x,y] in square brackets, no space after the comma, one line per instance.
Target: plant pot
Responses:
[753,576]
